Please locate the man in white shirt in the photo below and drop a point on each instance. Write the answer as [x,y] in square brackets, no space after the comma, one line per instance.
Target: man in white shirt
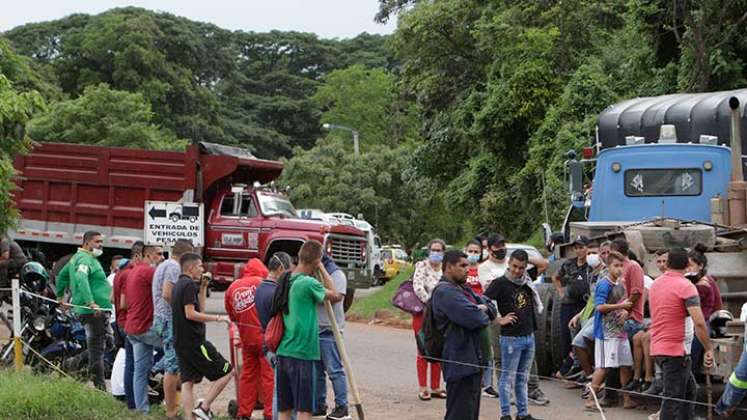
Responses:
[496,264]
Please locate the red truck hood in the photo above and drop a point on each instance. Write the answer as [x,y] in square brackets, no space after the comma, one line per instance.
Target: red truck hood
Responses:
[314,226]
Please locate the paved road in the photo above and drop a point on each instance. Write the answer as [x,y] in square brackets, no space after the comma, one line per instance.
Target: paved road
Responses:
[384,362]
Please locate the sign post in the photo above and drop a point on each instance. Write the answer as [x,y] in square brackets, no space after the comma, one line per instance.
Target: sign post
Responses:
[17,344]
[167,221]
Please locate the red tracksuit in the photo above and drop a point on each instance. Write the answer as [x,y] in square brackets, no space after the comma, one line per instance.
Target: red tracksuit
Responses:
[256,374]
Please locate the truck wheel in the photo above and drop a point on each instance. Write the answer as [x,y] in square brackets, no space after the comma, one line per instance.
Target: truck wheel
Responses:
[542,335]
[192,219]
[555,336]
[348,302]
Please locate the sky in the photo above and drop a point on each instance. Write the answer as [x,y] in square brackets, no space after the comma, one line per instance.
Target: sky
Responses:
[326,18]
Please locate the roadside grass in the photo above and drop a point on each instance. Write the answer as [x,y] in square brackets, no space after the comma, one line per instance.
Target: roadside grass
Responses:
[367,307]
[28,396]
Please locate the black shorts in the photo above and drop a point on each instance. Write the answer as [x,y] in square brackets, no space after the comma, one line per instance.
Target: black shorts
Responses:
[296,384]
[203,360]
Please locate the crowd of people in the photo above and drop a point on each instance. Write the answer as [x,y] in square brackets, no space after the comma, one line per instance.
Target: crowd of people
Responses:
[624,334]
[157,306]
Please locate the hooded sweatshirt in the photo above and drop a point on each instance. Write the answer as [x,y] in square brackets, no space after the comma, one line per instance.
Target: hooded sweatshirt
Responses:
[240,302]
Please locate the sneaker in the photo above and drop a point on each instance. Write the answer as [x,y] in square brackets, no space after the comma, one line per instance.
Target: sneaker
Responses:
[339,413]
[633,386]
[505,418]
[527,417]
[320,413]
[489,392]
[537,397]
[202,414]
[656,388]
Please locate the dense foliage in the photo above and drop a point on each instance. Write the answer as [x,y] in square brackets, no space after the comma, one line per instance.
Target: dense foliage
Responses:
[506,88]
[465,114]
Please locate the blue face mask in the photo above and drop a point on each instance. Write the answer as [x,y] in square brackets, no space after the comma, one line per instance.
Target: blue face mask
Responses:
[473,258]
[436,257]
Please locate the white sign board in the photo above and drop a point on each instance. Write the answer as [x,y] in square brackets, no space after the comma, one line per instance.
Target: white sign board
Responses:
[167,221]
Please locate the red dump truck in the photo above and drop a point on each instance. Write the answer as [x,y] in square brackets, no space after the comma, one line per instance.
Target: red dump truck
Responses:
[67,189]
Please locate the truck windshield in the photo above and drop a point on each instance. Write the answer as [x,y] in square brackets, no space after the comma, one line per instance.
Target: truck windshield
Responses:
[276,205]
[663,182]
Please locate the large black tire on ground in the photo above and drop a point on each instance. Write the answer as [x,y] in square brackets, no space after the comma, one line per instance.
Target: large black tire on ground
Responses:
[348,302]
[556,340]
[543,353]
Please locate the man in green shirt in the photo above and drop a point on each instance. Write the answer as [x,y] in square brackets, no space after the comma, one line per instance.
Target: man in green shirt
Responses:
[298,352]
[91,293]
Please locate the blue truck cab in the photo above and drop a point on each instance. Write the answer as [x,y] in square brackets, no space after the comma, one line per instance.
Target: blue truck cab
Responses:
[658,157]
[642,182]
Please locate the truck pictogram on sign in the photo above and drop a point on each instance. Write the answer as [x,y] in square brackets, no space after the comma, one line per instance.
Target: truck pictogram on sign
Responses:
[166,222]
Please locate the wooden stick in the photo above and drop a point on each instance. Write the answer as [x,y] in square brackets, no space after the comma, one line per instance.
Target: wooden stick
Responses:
[356,400]
[709,391]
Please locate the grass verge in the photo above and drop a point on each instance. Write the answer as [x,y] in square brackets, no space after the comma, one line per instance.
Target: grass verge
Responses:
[28,396]
[380,302]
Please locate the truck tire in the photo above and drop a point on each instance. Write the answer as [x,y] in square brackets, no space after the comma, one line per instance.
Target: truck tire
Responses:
[555,337]
[543,354]
[348,302]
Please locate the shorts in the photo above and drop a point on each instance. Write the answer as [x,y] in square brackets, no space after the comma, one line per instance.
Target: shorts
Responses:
[632,327]
[612,353]
[201,361]
[165,331]
[586,334]
[296,384]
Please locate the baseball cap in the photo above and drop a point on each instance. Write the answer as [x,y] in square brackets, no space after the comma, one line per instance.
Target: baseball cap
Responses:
[581,240]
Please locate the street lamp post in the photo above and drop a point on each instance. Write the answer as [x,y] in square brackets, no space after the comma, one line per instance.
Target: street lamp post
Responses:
[356,144]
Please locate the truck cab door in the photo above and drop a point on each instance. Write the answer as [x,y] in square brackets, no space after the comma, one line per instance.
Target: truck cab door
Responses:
[234,231]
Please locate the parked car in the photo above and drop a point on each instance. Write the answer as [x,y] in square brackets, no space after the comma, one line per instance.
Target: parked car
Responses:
[395,260]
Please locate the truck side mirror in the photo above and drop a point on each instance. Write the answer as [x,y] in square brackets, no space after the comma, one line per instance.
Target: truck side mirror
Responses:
[575,180]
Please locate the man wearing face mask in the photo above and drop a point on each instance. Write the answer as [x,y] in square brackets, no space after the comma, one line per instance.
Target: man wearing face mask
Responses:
[495,265]
[585,320]
[89,288]
[572,283]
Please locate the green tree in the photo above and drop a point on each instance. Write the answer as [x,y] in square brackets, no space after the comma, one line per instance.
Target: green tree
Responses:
[16,108]
[363,99]
[106,117]
[380,185]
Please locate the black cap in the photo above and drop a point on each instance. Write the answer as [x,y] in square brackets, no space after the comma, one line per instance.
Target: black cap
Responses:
[581,240]
[496,239]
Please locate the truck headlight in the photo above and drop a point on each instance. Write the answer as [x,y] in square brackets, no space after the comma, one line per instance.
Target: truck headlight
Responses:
[329,247]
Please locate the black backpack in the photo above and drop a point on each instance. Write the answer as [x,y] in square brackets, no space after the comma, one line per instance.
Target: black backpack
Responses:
[430,339]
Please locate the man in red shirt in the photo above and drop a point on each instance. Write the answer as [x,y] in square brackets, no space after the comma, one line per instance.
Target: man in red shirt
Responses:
[138,300]
[634,287]
[256,372]
[120,280]
[675,308]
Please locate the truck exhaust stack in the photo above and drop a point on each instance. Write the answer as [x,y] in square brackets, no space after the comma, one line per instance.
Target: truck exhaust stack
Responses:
[737,186]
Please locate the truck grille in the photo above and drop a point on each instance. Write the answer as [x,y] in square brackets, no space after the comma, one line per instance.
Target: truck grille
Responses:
[346,250]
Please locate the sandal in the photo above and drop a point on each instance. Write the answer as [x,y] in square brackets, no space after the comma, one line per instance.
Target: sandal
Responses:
[439,393]
[424,395]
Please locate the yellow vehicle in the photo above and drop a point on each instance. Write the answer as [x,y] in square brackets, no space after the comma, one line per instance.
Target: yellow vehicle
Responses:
[395,260]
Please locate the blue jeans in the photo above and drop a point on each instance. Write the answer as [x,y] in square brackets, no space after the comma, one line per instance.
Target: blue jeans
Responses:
[332,365]
[129,369]
[517,354]
[142,348]
[736,387]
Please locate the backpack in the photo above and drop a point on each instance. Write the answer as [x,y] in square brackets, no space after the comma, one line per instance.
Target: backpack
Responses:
[430,339]
[275,330]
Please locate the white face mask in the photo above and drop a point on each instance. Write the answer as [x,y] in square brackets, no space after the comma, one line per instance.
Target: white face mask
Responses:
[484,254]
[97,252]
[593,260]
